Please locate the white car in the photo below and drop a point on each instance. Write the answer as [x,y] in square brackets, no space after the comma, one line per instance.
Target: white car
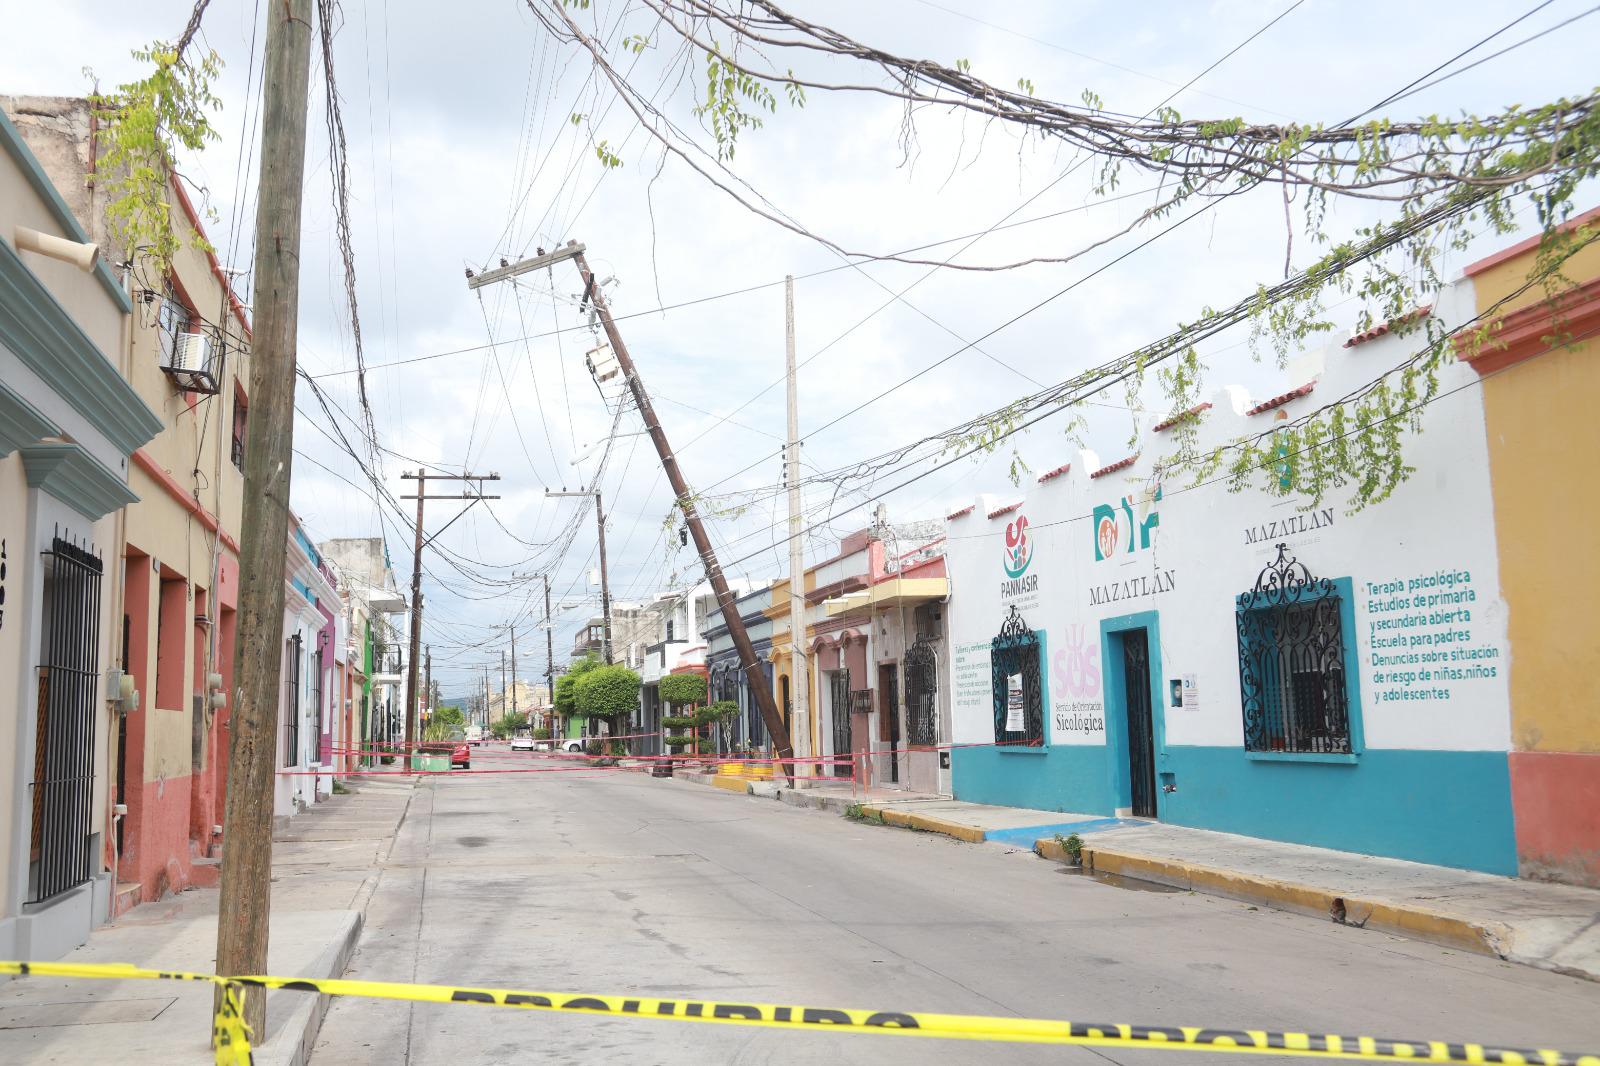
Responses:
[572,744]
[522,742]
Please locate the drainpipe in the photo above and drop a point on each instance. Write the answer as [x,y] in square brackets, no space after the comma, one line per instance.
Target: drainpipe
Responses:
[119,537]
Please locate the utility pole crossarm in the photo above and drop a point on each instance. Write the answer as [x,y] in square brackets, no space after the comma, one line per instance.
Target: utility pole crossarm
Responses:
[525,266]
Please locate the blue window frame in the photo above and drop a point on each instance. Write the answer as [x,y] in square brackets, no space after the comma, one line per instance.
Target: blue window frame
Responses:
[1298,666]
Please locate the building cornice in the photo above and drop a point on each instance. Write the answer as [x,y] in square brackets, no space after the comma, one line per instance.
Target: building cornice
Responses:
[21,423]
[70,474]
[35,326]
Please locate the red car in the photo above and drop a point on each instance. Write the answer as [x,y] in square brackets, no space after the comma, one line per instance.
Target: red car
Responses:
[461,755]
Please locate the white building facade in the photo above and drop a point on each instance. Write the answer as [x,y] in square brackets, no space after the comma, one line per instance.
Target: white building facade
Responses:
[1126,642]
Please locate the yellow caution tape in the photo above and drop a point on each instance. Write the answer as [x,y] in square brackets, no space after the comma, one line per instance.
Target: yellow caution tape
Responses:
[231,1039]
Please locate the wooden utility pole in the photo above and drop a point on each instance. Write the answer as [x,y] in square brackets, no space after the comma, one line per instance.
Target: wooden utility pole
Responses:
[799,675]
[427,684]
[549,652]
[776,726]
[514,709]
[502,680]
[422,477]
[708,556]
[605,579]
[268,460]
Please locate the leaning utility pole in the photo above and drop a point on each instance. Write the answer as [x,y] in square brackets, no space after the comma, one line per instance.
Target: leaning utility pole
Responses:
[799,677]
[605,580]
[268,460]
[422,477]
[669,464]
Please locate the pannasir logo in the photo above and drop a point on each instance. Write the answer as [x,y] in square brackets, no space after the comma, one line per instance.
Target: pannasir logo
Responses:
[1019,549]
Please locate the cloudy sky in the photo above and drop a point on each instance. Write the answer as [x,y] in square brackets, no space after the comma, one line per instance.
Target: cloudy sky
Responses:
[462,150]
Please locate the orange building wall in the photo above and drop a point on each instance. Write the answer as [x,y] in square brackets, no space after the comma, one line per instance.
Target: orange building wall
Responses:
[1544,441]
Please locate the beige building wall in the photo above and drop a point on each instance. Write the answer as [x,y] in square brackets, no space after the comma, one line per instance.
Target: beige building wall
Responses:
[185,527]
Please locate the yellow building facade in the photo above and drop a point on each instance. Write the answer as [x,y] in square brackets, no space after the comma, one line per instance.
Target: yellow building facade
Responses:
[1540,372]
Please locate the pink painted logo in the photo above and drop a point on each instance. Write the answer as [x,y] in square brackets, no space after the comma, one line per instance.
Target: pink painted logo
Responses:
[1019,549]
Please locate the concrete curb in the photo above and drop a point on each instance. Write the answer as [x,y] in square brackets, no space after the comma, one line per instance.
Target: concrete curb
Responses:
[1405,918]
[911,820]
[295,1038]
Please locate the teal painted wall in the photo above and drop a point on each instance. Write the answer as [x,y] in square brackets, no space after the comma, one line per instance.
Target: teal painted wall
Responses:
[1061,778]
[1452,808]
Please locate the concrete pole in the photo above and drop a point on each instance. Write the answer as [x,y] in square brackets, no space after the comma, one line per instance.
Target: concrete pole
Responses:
[799,689]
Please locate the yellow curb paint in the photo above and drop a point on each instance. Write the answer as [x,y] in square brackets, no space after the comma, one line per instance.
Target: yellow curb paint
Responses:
[1420,922]
[731,782]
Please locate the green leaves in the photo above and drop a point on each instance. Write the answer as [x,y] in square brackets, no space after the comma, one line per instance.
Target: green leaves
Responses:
[683,689]
[142,124]
[733,99]
[607,691]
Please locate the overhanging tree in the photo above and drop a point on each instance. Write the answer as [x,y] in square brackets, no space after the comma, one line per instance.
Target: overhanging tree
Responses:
[1438,178]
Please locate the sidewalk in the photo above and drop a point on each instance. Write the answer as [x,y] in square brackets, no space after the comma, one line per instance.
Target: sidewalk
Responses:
[325,868]
[1551,926]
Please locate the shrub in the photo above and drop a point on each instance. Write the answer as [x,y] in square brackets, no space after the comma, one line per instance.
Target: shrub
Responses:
[607,691]
[681,689]
[541,733]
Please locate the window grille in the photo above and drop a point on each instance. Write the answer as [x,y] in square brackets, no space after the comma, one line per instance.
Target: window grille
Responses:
[922,693]
[1292,669]
[293,656]
[64,740]
[1015,653]
[316,701]
[241,423]
[839,701]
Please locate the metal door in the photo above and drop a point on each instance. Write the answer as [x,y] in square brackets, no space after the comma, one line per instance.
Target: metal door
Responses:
[840,700]
[1141,734]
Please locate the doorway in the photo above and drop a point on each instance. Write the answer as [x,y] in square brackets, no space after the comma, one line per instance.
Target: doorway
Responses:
[889,716]
[1141,730]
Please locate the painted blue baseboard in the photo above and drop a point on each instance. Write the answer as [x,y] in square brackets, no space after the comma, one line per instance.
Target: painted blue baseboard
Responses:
[1449,808]
[1060,778]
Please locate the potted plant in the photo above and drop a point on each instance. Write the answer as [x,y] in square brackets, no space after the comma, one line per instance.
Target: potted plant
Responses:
[433,753]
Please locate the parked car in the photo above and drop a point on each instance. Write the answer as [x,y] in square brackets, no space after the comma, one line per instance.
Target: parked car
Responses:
[461,755]
[522,742]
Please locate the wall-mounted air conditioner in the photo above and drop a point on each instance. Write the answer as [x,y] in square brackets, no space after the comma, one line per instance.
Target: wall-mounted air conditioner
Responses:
[190,351]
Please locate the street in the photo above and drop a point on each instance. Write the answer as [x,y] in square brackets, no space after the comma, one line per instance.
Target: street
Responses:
[610,882]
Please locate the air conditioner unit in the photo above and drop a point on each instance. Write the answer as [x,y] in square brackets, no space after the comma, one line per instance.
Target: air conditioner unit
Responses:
[190,352]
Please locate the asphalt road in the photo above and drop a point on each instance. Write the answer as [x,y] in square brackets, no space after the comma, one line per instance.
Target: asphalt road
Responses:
[611,882]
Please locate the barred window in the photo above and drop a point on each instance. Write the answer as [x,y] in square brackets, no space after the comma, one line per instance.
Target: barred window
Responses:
[1018,684]
[1294,676]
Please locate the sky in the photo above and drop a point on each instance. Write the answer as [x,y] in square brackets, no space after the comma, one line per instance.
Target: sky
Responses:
[463,149]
